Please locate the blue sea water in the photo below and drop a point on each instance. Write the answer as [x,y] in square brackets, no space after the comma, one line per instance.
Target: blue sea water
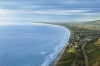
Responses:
[31,45]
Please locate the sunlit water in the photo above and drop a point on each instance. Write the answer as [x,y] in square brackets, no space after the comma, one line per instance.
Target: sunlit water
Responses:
[31,45]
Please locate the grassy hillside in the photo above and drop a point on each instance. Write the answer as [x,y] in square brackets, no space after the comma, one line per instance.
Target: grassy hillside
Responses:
[84,45]
[92,25]
[97,22]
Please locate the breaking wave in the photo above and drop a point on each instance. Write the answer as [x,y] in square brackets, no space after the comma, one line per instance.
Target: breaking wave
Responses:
[49,59]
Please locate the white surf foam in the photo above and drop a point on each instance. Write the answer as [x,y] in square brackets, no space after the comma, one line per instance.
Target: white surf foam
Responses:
[58,49]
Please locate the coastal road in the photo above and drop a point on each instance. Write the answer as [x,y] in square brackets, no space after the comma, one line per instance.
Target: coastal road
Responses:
[85,56]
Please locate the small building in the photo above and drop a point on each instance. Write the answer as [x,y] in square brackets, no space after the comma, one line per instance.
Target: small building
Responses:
[70,45]
[76,46]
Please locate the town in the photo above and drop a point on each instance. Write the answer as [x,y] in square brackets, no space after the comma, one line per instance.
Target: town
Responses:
[83,48]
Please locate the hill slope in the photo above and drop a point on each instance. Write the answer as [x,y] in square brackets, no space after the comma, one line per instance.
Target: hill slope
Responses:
[97,22]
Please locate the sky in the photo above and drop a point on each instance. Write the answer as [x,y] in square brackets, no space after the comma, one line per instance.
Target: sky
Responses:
[28,11]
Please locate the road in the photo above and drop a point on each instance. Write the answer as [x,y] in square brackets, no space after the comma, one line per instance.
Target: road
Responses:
[85,56]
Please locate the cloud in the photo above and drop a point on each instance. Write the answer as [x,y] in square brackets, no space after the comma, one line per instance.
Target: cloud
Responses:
[61,12]
[6,14]
[4,23]
[6,11]
[7,23]
[42,15]
[47,10]
[52,11]
[89,18]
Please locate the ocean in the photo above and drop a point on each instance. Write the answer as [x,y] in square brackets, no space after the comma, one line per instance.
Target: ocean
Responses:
[31,45]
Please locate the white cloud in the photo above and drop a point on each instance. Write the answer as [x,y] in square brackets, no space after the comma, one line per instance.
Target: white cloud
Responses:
[4,23]
[6,11]
[58,12]
[16,15]
[55,12]
[6,14]
[8,23]
[88,18]
[91,14]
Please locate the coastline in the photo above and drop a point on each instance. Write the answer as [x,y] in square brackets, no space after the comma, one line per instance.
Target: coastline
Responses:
[58,57]
[61,53]
[81,38]
[59,49]
[70,56]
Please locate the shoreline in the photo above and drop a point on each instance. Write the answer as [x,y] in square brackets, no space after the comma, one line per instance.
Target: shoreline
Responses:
[60,47]
[73,54]
[59,56]
[56,60]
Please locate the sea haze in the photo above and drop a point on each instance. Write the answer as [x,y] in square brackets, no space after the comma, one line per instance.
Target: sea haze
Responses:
[31,45]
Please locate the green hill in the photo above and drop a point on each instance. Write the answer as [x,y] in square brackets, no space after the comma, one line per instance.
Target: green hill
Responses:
[97,22]
[92,25]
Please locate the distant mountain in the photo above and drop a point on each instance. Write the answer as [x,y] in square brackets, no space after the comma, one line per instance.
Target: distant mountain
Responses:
[97,22]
